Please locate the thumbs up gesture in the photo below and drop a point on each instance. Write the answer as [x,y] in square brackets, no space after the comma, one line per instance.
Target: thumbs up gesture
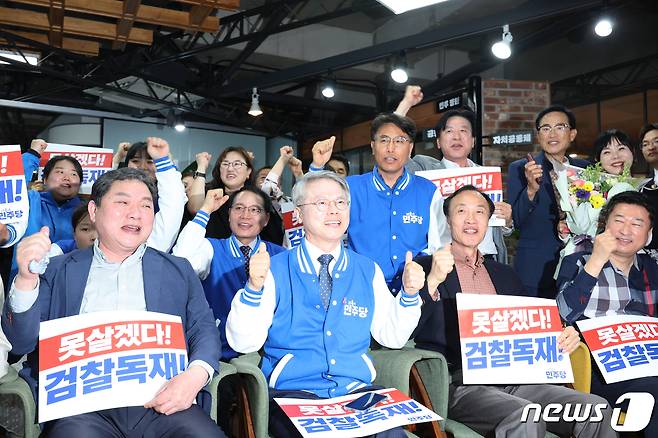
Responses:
[259,265]
[34,247]
[413,276]
[442,264]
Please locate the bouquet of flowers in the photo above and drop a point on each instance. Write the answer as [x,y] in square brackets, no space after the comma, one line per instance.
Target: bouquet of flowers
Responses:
[581,194]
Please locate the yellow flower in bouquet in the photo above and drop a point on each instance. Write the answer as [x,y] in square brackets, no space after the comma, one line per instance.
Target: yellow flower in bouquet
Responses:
[597,201]
[588,185]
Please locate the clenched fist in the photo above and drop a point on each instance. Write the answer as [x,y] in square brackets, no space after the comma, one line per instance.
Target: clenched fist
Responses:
[259,265]
[214,200]
[413,276]
[34,247]
[38,145]
[604,244]
[157,147]
[202,161]
[322,151]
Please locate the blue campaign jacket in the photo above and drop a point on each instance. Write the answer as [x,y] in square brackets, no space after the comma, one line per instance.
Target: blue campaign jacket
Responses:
[308,348]
[44,210]
[438,328]
[170,286]
[385,222]
[227,276]
[538,249]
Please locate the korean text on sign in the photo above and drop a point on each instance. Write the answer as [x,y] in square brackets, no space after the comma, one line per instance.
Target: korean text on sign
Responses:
[105,360]
[511,340]
[14,202]
[624,347]
[487,179]
[331,418]
[94,161]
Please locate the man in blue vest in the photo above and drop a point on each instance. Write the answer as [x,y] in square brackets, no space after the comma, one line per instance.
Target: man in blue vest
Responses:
[392,210]
[312,309]
[534,208]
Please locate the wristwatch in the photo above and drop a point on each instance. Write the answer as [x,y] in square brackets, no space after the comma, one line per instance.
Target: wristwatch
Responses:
[201,174]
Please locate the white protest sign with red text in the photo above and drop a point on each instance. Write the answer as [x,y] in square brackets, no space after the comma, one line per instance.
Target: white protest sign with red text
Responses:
[292,225]
[624,347]
[94,162]
[487,179]
[106,360]
[511,340]
[329,418]
[14,202]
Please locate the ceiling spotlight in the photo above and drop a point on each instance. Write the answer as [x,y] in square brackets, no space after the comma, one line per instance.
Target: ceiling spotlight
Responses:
[255,106]
[179,126]
[328,89]
[502,49]
[603,27]
[399,75]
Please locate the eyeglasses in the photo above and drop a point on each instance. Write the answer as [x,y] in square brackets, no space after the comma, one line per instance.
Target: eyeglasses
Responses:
[234,164]
[385,140]
[653,142]
[560,128]
[322,205]
[253,210]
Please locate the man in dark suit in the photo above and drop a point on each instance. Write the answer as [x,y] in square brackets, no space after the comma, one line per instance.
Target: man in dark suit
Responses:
[119,273]
[534,207]
[488,409]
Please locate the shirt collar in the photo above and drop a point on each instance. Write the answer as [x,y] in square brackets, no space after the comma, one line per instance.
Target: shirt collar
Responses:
[655,177]
[478,262]
[401,184]
[636,265]
[132,259]
[235,245]
[307,257]
[452,165]
[314,252]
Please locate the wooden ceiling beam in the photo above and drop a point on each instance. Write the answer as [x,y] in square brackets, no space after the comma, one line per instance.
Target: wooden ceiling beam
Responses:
[74,26]
[56,22]
[82,47]
[125,23]
[228,5]
[145,13]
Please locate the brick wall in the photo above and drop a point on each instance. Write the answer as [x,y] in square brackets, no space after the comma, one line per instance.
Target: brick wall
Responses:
[509,106]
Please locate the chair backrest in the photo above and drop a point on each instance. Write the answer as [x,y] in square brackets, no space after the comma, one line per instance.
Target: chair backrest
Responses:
[581,363]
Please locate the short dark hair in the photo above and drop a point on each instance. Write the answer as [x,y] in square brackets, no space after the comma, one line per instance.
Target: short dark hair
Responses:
[54,160]
[605,138]
[343,159]
[630,197]
[134,149]
[556,109]
[267,202]
[104,183]
[79,213]
[645,129]
[404,123]
[464,113]
[467,188]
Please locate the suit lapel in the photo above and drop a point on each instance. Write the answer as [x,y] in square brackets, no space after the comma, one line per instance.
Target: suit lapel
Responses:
[151,269]
[77,272]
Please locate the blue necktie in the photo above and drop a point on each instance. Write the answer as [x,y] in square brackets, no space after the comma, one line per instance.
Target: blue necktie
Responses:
[325,279]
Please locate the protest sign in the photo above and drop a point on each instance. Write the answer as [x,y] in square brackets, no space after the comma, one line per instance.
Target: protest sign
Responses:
[94,162]
[292,225]
[624,347]
[106,360]
[14,202]
[330,417]
[487,179]
[511,340]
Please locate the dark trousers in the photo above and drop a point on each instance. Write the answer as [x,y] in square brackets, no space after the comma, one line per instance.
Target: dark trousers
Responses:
[134,422]
[612,391]
[281,427]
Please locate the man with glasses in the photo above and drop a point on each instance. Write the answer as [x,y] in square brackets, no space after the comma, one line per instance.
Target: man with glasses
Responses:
[649,148]
[312,309]
[223,264]
[393,211]
[534,207]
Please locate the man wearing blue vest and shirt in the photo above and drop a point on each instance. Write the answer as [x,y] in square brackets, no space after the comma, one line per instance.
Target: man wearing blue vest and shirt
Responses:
[222,264]
[392,210]
[534,207]
[313,308]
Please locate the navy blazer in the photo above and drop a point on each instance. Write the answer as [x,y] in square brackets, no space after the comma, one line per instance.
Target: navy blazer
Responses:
[438,328]
[538,248]
[170,286]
